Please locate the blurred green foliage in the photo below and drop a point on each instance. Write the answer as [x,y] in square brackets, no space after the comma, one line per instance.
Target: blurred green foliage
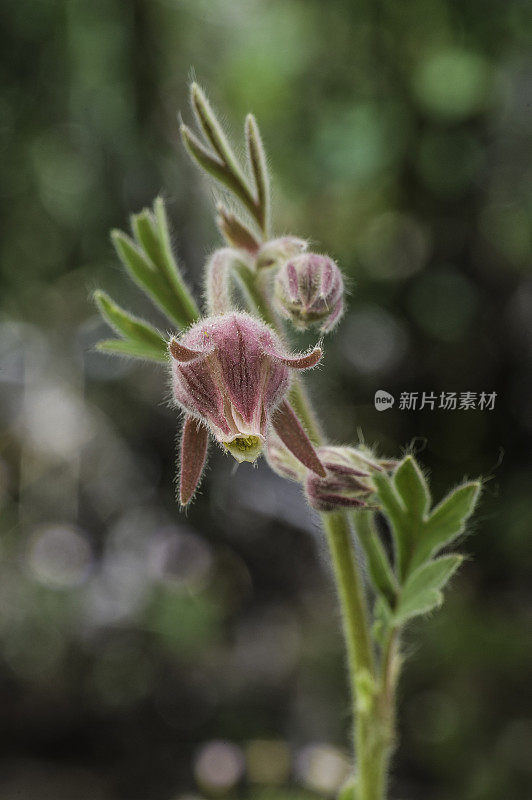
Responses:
[133,639]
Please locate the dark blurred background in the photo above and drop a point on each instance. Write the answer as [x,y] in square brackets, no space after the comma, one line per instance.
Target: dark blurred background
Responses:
[148,655]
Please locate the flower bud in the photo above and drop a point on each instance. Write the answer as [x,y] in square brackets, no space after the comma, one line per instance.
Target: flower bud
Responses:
[277,251]
[348,481]
[309,291]
[281,460]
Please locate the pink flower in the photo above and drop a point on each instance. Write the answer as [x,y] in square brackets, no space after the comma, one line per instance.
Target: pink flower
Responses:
[309,290]
[231,374]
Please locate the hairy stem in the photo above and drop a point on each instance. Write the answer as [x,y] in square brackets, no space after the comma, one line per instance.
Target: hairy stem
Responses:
[351,593]
[370,706]
[218,280]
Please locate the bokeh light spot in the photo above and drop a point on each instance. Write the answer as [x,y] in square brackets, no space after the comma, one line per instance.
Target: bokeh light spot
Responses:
[219,766]
[394,245]
[452,83]
[59,556]
[372,340]
[322,768]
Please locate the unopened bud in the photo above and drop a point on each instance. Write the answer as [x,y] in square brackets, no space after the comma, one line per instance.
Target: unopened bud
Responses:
[348,482]
[281,459]
[277,251]
[309,291]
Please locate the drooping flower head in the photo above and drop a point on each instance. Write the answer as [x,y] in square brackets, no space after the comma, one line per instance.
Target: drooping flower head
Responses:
[231,373]
[309,291]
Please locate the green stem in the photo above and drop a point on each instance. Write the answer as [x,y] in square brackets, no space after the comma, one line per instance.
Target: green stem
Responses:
[351,592]
[370,738]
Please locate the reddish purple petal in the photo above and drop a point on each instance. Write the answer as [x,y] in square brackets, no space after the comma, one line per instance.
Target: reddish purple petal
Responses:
[293,436]
[330,502]
[334,317]
[276,382]
[302,362]
[194,442]
[196,391]
[182,353]
[240,356]
[343,469]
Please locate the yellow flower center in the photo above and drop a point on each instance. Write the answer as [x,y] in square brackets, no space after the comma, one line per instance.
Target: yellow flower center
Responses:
[246,443]
[245,448]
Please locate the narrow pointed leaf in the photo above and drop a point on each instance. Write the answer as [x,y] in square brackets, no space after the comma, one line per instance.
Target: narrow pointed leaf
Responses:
[193,453]
[146,276]
[214,167]
[412,488]
[128,325]
[447,521]
[379,567]
[168,265]
[213,131]
[422,590]
[395,512]
[133,349]
[293,436]
[145,230]
[257,160]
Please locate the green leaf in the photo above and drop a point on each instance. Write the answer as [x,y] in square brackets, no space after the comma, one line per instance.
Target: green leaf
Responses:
[128,325]
[447,521]
[145,231]
[214,167]
[220,162]
[213,131]
[397,514]
[421,592]
[412,487]
[416,607]
[168,265]
[257,160]
[380,570]
[144,273]
[153,235]
[133,349]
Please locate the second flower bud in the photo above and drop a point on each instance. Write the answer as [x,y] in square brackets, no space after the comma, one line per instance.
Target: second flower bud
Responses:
[309,291]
